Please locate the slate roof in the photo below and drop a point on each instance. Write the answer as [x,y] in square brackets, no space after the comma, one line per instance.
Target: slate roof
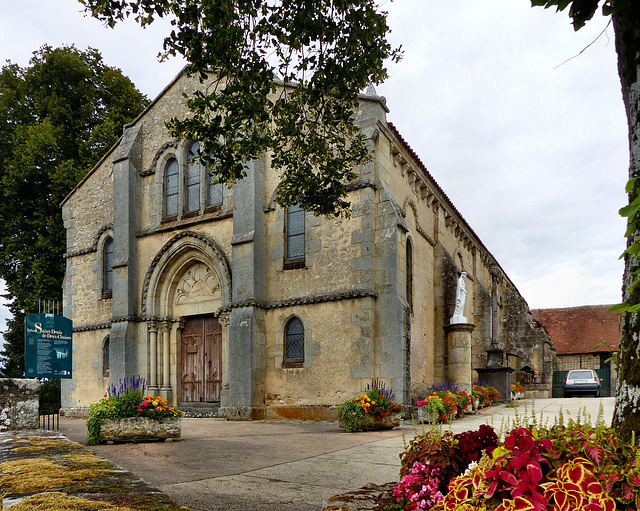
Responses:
[576,330]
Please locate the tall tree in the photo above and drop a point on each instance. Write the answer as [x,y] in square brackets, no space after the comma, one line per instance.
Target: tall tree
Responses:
[625,16]
[324,51]
[59,115]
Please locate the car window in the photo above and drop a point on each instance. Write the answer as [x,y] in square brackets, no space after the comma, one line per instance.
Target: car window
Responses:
[580,375]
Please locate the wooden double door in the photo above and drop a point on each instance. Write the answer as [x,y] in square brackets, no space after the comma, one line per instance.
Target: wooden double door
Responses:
[201,359]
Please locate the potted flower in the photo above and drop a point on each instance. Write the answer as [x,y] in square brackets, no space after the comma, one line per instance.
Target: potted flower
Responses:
[517,390]
[375,409]
[431,409]
[125,413]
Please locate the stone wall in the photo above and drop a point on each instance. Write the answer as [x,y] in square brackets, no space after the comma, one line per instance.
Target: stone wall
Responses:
[19,403]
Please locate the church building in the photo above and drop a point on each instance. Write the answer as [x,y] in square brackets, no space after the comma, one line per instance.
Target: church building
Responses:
[219,296]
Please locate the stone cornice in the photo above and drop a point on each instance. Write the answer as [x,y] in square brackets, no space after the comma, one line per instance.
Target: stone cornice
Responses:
[276,304]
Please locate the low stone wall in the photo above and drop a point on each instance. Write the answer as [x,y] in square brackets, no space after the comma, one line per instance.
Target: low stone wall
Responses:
[19,403]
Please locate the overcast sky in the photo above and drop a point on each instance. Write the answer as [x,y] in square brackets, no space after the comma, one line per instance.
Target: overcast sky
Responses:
[531,148]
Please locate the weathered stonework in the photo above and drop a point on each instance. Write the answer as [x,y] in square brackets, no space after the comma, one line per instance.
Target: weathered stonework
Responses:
[19,403]
[227,263]
[140,428]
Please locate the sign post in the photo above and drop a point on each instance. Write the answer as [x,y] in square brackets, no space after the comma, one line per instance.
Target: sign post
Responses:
[47,346]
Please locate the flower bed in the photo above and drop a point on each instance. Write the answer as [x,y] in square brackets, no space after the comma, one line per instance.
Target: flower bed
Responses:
[446,405]
[375,409]
[126,402]
[561,468]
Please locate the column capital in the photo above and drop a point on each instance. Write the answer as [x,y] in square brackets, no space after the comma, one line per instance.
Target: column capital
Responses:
[152,326]
[165,326]
[223,318]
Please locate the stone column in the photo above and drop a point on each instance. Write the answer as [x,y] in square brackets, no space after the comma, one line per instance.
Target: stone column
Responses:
[166,390]
[223,318]
[459,342]
[153,357]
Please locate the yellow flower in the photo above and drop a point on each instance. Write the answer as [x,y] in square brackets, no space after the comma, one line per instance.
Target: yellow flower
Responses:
[155,403]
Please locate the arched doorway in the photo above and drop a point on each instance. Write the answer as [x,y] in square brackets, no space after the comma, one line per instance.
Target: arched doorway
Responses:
[188,286]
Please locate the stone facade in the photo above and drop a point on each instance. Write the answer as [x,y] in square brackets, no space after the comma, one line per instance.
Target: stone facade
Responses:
[371,294]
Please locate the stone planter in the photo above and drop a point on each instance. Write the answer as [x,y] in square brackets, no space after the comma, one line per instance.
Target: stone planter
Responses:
[427,417]
[370,423]
[140,429]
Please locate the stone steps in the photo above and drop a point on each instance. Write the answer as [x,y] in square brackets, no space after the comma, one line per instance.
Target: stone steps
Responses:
[197,409]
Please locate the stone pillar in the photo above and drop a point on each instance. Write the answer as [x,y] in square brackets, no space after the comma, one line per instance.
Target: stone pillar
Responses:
[166,391]
[459,342]
[223,318]
[153,357]
[123,340]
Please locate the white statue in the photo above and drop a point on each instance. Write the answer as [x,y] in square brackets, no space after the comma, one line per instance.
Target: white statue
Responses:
[461,296]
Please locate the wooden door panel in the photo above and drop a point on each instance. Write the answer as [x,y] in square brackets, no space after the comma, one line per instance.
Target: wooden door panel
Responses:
[201,359]
[212,359]
[192,360]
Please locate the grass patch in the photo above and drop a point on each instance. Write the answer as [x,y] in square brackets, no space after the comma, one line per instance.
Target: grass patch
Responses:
[62,502]
[39,474]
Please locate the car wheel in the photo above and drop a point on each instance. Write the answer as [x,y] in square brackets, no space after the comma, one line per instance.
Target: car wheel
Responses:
[567,394]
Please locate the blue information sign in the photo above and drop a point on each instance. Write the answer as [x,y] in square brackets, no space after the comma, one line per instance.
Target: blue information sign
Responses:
[47,346]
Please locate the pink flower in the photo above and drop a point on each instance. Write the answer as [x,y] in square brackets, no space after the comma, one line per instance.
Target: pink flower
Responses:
[145,403]
[140,410]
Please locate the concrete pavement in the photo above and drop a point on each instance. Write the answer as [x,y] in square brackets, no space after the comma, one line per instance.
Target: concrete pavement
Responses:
[292,465]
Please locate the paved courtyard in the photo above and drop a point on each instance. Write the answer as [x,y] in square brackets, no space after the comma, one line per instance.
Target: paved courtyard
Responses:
[291,465]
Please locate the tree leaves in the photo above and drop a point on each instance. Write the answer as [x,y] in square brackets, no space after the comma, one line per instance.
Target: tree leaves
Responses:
[283,77]
[59,116]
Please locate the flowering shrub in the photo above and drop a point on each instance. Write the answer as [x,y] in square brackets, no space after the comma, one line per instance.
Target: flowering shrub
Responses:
[480,393]
[420,488]
[374,403]
[126,401]
[437,458]
[577,467]
[517,388]
[465,402]
[493,394]
[433,407]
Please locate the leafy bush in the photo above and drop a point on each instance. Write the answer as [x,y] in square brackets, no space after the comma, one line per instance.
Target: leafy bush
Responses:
[126,401]
[432,460]
[568,468]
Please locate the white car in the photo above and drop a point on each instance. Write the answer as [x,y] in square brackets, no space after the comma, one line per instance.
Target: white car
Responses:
[581,381]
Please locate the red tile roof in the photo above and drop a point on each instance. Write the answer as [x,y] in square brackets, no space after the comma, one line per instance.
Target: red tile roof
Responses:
[580,329]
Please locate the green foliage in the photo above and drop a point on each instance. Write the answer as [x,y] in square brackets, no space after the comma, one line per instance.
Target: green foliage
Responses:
[323,52]
[59,116]
[351,414]
[98,412]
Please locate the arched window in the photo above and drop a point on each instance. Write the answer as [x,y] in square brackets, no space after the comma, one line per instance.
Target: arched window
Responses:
[214,194]
[295,234]
[294,341]
[171,180]
[105,357]
[409,272]
[192,181]
[107,268]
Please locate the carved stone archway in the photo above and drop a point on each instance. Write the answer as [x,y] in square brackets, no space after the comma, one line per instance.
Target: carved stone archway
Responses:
[188,277]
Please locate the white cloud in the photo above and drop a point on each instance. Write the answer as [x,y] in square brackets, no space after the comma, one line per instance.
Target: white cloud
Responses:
[532,150]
